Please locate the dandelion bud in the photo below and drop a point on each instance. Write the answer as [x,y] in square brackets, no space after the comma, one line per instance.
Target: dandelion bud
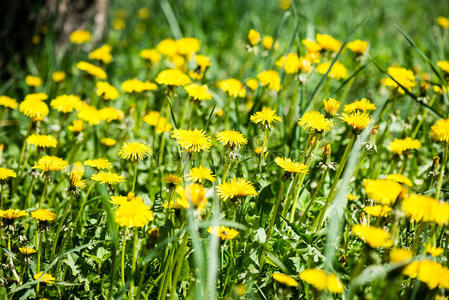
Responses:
[375,130]
[404,193]
[327,150]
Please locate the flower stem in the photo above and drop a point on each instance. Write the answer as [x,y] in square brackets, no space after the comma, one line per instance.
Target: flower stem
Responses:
[226,167]
[61,223]
[134,178]
[443,167]
[37,238]
[78,216]
[134,262]
[330,196]
[122,265]
[44,190]
[315,193]
[179,262]
[272,221]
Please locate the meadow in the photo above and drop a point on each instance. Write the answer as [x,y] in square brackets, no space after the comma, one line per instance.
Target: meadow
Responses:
[229,150]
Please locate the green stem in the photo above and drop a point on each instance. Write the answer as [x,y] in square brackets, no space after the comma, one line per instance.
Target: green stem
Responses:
[245,62]
[44,190]
[78,216]
[270,226]
[227,166]
[163,287]
[262,154]
[134,263]
[1,196]
[58,230]
[134,178]
[180,259]
[315,193]
[37,238]
[443,167]
[122,265]
[330,196]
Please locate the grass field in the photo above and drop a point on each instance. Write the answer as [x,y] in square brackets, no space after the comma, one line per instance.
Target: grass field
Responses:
[229,150]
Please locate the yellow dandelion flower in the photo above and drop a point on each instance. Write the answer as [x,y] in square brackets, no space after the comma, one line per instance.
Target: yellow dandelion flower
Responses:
[271,79]
[66,103]
[171,179]
[137,86]
[76,126]
[265,117]
[36,97]
[58,76]
[434,251]
[194,140]
[167,47]
[91,69]
[290,63]
[89,114]
[358,46]
[42,141]
[133,213]
[285,279]
[198,92]
[331,106]
[443,22]
[352,197]
[50,163]
[12,214]
[357,120]
[315,122]
[400,179]
[35,109]
[430,272]
[399,146]
[378,210]
[79,36]
[311,45]
[359,105]
[420,208]
[233,87]
[314,277]
[290,166]
[118,24]
[98,163]
[267,43]
[108,177]
[102,54]
[253,84]
[231,138]
[172,77]
[338,70]
[110,114]
[223,232]
[400,255]
[375,237]
[150,54]
[193,193]
[327,42]
[236,188]
[8,102]
[106,90]
[405,77]
[6,173]
[188,46]
[143,13]
[76,175]
[34,81]
[108,142]
[334,284]
[119,200]
[43,215]
[199,174]
[382,190]
[44,277]
[254,37]
[134,151]
[444,65]
[27,250]
[440,130]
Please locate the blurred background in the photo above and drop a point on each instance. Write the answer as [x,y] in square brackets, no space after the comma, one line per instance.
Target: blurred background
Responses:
[33,33]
